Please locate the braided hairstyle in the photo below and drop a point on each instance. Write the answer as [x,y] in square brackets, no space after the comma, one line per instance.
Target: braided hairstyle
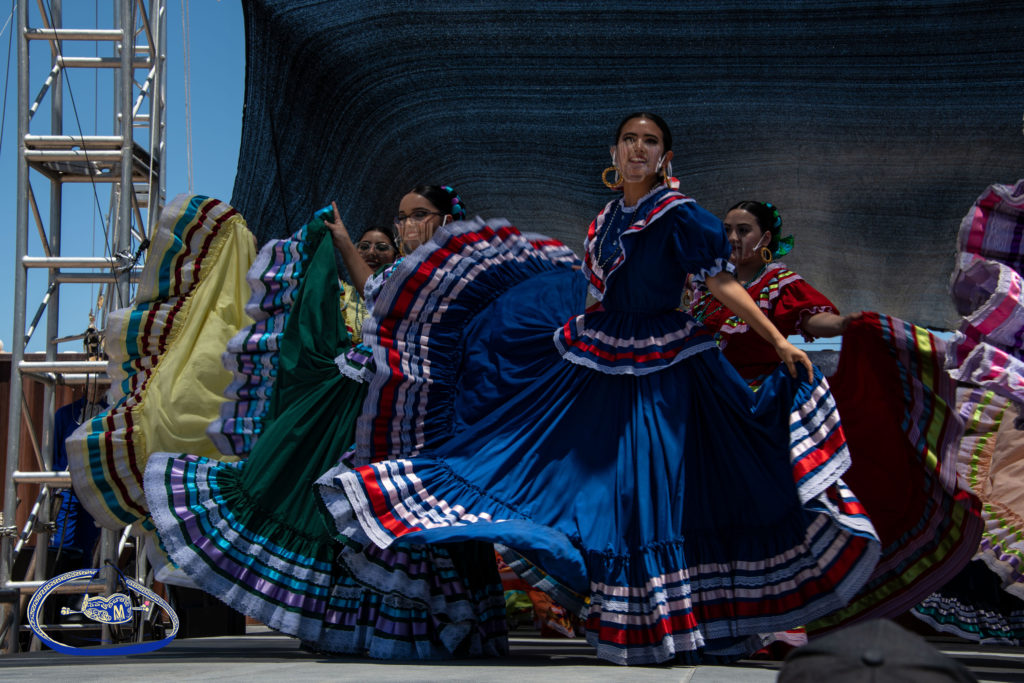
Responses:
[444,198]
[768,219]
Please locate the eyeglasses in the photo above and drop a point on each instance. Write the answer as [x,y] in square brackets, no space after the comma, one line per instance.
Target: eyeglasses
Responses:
[417,216]
[382,247]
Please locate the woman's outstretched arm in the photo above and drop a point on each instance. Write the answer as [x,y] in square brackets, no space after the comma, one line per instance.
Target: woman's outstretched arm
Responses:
[357,268]
[827,324]
[726,289]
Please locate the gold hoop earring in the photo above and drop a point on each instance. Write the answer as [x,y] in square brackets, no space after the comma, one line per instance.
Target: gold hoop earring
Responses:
[614,185]
[766,255]
[664,174]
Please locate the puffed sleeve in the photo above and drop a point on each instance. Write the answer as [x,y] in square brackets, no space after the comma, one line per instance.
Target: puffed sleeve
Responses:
[797,301]
[700,243]
[374,283]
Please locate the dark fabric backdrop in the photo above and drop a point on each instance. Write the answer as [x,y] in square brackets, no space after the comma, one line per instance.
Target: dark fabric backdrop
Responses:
[872,125]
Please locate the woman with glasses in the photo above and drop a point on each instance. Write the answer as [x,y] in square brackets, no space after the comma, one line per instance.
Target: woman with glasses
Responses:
[251,532]
[696,514]
[421,211]
[377,249]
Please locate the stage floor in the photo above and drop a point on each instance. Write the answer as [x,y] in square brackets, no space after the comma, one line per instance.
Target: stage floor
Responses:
[264,655]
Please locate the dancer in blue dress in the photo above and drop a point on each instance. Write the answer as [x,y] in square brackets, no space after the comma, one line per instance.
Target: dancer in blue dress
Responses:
[695,513]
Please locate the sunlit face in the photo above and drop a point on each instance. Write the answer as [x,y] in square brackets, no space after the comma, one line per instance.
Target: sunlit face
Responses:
[417,220]
[639,150]
[376,249]
[745,236]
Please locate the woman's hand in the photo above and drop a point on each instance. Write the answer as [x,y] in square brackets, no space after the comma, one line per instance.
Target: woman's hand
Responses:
[339,233]
[792,356]
[731,293]
[358,271]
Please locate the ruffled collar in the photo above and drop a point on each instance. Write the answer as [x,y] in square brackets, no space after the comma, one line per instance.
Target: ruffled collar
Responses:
[647,210]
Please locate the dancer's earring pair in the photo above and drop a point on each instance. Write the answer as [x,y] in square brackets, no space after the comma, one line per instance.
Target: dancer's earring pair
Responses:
[666,173]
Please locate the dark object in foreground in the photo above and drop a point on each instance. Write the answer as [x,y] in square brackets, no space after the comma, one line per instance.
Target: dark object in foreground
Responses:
[876,650]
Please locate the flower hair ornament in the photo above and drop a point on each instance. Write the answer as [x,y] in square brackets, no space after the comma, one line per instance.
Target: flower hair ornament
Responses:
[458,209]
[785,246]
[785,243]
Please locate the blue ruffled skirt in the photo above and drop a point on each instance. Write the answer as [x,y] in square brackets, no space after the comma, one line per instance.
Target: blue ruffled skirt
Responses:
[689,513]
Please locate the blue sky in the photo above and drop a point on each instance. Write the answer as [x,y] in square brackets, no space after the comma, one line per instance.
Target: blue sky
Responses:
[217,60]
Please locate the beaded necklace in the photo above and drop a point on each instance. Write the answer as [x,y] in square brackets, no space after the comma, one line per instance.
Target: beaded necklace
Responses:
[606,228]
[607,225]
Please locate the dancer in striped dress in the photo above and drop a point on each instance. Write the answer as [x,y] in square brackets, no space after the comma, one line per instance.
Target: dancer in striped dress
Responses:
[251,533]
[167,382]
[898,409]
[986,601]
[696,513]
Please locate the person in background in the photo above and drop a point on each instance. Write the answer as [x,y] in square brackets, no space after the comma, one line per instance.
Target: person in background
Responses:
[377,248]
[74,535]
[421,211]
[754,230]
[73,541]
[895,409]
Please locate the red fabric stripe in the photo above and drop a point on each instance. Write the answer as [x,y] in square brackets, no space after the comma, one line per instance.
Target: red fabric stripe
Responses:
[380,503]
[777,605]
[108,456]
[506,231]
[380,426]
[975,237]
[540,244]
[655,213]
[591,350]
[820,454]
[632,636]
[133,458]
[663,353]
[852,507]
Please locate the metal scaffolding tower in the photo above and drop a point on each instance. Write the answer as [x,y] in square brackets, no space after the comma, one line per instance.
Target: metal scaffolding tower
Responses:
[129,159]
